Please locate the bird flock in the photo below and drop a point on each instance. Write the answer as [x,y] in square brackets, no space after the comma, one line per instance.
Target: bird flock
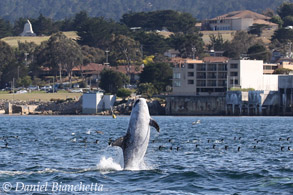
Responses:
[234,144]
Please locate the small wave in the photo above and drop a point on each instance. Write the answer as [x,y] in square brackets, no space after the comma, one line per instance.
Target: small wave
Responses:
[12,173]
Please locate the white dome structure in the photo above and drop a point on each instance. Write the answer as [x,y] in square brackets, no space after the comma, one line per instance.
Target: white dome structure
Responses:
[28,30]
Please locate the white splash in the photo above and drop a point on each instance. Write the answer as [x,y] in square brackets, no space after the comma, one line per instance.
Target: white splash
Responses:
[108,164]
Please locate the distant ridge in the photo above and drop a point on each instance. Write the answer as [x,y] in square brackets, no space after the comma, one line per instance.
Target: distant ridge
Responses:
[114,9]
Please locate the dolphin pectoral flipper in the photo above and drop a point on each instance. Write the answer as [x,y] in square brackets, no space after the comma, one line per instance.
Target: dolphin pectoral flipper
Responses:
[118,142]
[154,124]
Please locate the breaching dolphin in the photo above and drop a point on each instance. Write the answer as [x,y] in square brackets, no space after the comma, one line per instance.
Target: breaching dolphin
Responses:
[134,144]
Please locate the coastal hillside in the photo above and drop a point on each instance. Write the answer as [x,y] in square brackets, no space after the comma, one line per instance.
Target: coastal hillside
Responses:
[56,9]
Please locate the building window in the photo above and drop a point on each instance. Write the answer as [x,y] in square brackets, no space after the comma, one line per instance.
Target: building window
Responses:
[201,83]
[177,75]
[201,67]
[212,67]
[234,74]
[212,83]
[222,67]
[234,66]
[201,75]
[222,83]
[212,75]
[190,82]
[177,83]
[222,75]
[190,66]
[190,74]
[234,81]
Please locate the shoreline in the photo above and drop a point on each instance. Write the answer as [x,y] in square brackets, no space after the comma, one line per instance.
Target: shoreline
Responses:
[118,116]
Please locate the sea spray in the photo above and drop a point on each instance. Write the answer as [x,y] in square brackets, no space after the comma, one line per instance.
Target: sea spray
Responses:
[108,164]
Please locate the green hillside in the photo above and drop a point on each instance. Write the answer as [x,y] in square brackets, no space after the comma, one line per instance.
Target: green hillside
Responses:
[57,9]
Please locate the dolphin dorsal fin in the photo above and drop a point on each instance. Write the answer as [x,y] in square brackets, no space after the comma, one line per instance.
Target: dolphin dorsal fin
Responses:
[153,123]
[118,142]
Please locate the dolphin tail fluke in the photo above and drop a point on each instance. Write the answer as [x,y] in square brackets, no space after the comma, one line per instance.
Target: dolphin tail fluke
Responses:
[118,142]
[154,124]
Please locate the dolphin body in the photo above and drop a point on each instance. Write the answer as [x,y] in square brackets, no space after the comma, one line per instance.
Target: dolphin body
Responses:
[134,144]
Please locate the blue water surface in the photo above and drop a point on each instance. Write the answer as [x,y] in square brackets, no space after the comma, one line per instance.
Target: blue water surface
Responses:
[220,155]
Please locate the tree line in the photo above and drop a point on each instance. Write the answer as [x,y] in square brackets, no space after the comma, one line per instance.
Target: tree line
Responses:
[58,10]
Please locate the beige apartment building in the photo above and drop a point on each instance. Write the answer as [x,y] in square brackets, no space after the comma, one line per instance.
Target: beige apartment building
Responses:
[216,75]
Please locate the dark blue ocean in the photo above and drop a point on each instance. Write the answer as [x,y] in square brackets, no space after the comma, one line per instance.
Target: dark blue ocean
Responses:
[220,155]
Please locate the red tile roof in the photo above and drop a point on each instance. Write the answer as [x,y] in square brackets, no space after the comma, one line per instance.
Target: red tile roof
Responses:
[97,68]
[242,14]
[91,67]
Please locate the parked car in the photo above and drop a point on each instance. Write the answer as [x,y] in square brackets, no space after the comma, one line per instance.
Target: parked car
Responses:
[76,85]
[52,91]
[33,88]
[46,88]
[22,91]
[76,91]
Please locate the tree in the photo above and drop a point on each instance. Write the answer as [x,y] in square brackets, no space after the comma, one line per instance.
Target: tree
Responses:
[126,50]
[156,20]
[24,82]
[59,53]
[286,9]
[269,12]
[5,28]
[217,42]
[187,44]
[92,55]
[80,19]
[282,71]
[239,44]
[98,32]
[277,20]
[147,89]
[43,26]
[283,35]
[259,52]
[257,29]
[159,74]
[288,20]
[112,80]
[7,57]
[124,93]
[151,43]
[25,52]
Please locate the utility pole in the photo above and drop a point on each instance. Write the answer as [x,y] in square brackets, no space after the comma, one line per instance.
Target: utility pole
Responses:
[193,49]
[13,88]
[141,48]
[53,84]
[107,57]
[17,72]
[227,81]
[25,59]
[290,49]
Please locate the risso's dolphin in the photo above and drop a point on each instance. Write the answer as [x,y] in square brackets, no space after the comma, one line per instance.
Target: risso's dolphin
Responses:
[134,144]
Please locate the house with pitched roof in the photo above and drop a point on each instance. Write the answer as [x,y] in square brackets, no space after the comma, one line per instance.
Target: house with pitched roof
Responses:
[238,20]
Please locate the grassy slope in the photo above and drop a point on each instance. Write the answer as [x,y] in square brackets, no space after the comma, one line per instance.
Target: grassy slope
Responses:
[12,41]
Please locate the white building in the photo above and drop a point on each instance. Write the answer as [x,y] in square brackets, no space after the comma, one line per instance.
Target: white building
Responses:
[216,75]
[96,102]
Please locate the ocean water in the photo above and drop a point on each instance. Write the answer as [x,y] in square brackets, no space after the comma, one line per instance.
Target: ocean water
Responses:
[60,154]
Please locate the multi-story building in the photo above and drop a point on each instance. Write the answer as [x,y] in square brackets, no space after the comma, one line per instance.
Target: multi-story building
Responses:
[216,75]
